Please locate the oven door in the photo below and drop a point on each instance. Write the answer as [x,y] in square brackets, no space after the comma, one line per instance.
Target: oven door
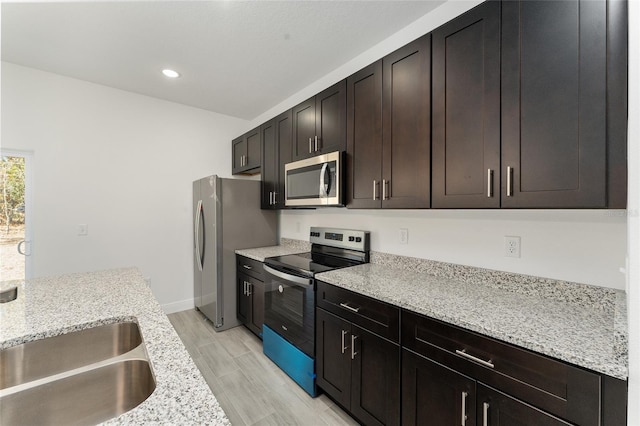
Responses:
[290,307]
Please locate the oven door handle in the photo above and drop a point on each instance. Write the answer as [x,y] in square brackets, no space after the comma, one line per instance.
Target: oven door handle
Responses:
[304,282]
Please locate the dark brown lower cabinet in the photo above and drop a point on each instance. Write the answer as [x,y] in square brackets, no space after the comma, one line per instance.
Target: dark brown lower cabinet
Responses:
[433,394]
[358,369]
[251,303]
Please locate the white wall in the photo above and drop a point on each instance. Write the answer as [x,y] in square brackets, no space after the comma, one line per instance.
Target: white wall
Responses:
[633,283]
[119,162]
[585,246]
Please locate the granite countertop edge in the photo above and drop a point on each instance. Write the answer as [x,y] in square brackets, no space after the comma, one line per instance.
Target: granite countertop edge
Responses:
[57,305]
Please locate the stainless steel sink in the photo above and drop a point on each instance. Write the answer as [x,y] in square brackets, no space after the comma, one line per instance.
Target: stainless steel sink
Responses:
[83,377]
[86,398]
[45,357]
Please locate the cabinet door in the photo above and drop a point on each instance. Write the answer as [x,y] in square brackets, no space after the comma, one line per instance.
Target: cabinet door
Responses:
[243,308]
[554,103]
[304,129]
[406,165]
[496,408]
[253,149]
[435,395]
[333,356]
[269,169]
[284,124]
[375,378]
[364,137]
[238,153]
[256,294]
[466,110]
[331,119]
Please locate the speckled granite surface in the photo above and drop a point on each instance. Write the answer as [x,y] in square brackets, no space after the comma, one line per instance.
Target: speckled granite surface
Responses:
[57,305]
[286,246]
[562,324]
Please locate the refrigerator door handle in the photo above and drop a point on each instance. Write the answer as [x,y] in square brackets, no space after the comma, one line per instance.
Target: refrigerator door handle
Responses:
[197,235]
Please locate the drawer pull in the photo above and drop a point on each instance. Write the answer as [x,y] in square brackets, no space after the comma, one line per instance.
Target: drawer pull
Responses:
[473,358]
[463,419]
[485,414]
[344,347]
[247,267]
[351,308]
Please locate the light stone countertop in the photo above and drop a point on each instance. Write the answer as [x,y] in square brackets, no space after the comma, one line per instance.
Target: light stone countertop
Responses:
[261,253]
[588,336]
[56,305]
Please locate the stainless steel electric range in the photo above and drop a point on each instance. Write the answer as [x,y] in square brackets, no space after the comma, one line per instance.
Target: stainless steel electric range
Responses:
[290,298]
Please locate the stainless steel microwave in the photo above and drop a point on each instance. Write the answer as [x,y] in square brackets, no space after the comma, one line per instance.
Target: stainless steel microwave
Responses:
[315,181]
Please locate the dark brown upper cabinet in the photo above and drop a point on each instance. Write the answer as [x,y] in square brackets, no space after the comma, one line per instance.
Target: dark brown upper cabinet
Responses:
[276,152]
[466,110]
[388,130]
[319,123]
[554,104]
[246,153]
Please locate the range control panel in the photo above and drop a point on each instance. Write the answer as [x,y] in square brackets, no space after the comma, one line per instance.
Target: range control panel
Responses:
[344,238]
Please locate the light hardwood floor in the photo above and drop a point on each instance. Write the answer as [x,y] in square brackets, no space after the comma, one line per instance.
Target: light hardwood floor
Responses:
[251,389]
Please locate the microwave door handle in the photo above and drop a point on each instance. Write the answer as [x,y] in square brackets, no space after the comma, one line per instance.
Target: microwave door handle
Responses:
[324,185]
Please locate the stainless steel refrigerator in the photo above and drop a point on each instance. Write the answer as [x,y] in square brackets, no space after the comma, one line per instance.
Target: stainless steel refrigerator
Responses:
[227,217]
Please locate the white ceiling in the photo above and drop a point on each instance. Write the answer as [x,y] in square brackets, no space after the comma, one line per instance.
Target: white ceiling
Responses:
[236,57]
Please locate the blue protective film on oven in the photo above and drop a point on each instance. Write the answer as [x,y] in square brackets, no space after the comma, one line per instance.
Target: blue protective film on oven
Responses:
[298,365]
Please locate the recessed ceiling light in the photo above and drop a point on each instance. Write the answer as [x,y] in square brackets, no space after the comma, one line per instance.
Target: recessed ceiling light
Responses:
[171,73]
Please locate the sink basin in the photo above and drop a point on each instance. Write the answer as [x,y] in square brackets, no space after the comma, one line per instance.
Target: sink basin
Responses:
[45,357]
[86,398]
[83,377]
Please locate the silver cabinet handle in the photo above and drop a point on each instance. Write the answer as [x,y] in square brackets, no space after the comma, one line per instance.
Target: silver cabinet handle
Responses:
[473,358]
[344,333]
[249,289]
[316,143]
[485,414]
[509,183]
[351,308]
[384,192]
[247,267]
[489,183]
[463,418]
[310,146]
[375,189]
[353,346]
[244,288]
[271,198]
[275,197]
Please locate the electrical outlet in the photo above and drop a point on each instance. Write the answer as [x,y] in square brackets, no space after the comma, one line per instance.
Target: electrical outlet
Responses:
[83,230]
[511,246]
[404,236]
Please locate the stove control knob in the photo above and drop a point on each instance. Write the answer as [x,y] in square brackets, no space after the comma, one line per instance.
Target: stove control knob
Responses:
[358,239]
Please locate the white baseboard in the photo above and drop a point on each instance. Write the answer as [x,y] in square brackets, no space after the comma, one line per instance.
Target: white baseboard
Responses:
[182,305]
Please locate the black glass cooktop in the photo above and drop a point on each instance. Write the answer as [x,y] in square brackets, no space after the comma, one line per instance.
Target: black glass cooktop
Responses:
[308,263]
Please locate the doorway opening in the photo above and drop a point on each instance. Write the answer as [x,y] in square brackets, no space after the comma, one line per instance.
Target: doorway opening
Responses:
[15,200]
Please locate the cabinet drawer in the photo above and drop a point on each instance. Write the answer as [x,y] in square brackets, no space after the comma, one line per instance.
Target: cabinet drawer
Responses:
[554,386]
[250,267]
[374,315]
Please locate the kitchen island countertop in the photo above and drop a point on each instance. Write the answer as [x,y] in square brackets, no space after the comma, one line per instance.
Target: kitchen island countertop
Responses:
[570,330]
[56,305]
